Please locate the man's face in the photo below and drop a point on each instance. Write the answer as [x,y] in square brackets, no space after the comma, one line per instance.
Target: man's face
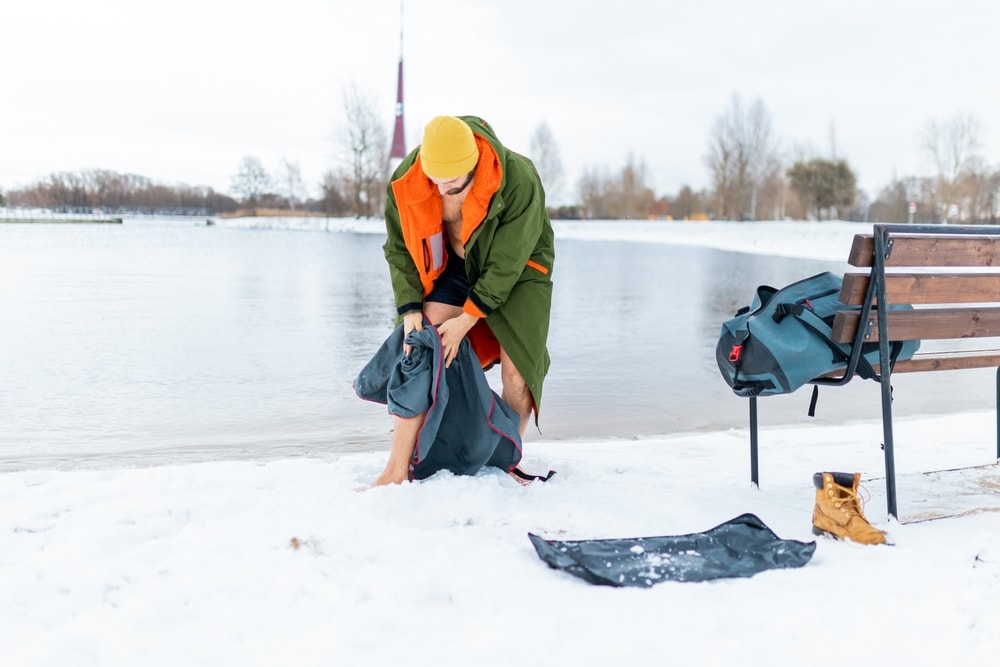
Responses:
[452,186]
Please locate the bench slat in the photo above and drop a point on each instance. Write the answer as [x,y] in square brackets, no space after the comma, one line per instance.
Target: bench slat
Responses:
[929,250]
[926,288]
[942,361]
[947,362]
[923,324]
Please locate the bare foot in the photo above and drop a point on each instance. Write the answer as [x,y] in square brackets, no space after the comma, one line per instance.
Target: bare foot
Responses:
[391,477]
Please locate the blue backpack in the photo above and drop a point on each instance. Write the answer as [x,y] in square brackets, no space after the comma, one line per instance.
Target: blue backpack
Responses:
[783,339]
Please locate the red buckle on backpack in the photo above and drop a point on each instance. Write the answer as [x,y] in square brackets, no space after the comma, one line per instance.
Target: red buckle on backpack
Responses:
[734,354]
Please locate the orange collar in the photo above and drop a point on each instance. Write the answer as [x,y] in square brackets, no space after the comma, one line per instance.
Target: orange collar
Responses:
[414,190]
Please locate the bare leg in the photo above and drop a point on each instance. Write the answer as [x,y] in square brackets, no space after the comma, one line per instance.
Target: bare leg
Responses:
[517,395]
[404,439]
[439,312]
[515,391]
[404,431]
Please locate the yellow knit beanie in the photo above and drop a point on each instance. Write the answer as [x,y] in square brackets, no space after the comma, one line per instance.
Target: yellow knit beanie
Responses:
[449,149]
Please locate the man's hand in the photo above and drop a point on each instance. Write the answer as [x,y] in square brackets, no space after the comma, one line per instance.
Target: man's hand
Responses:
[412,321]
[452,332]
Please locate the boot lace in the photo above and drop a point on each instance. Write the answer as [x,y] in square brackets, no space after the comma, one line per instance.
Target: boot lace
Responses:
[851,501]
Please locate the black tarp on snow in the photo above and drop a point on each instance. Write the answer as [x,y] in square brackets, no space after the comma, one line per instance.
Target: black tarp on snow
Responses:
[740,547]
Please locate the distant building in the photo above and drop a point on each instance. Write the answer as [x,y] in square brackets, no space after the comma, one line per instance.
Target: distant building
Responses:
[398,151]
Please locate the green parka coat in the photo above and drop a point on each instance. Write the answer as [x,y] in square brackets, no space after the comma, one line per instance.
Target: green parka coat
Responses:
[509,250]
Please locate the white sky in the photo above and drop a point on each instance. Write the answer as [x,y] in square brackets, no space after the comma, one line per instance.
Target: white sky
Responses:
[181,91]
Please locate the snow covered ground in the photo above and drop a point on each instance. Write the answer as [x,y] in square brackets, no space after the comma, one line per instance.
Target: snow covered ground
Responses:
[292,563]
[828,240]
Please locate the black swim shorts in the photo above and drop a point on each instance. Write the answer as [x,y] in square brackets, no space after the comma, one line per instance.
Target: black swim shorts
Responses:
[452,286]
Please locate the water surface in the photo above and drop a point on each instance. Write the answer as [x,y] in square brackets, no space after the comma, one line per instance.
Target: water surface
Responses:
[153,342]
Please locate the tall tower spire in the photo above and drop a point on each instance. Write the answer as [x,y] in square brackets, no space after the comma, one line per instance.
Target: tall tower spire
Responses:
[398,151]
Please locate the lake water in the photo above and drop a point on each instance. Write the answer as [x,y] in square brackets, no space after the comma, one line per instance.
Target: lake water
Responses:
[170,341]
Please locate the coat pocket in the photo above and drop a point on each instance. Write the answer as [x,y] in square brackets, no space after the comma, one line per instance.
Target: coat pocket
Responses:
[433,253]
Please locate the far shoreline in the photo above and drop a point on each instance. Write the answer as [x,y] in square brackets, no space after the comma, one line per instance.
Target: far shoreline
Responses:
[75,221]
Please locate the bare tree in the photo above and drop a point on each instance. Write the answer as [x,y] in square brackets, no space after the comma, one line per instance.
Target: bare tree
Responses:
[628,196]
[250,181]
[954,149]
[980,191]
[333,201]
[742,154]
[291,181]
[893,201]
[545,155]
[115,192]
[953,145]
[688,204]
[621,196]
[593,188]
[365,141]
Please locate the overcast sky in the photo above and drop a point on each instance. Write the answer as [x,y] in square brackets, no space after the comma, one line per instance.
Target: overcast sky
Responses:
[181,91]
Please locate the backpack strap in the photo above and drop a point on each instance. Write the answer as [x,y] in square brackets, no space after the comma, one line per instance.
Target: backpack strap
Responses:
[813,399]
[782,310]
[798,307]
[810,319]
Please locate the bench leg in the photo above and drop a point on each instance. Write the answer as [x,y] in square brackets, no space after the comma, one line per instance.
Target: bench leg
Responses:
[753,439]
[890,460]
[998,415]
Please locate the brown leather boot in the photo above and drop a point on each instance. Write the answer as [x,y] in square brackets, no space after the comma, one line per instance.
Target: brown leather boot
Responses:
[838,511]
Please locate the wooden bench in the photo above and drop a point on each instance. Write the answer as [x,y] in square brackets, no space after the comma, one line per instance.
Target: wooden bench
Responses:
[951,275]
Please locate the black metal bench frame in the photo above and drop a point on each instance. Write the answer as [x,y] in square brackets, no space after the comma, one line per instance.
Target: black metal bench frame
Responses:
[876,294]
